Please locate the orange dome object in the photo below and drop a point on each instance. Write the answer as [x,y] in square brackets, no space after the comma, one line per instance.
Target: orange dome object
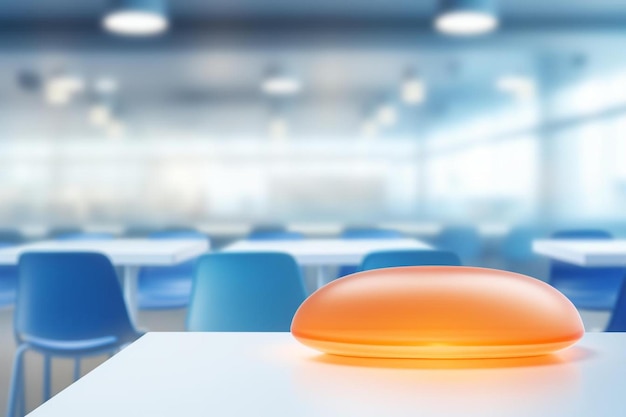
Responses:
[437,312]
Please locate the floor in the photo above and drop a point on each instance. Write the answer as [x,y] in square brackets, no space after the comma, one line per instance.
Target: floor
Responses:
[172,320]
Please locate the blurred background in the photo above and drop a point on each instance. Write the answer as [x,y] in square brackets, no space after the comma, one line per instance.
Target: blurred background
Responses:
[228,115]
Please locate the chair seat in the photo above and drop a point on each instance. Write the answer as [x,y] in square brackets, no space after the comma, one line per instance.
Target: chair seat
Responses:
[71,347]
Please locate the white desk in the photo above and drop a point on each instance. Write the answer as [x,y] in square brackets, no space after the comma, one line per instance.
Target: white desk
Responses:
[324,253]
[583,252]
[129,254]
[270,375]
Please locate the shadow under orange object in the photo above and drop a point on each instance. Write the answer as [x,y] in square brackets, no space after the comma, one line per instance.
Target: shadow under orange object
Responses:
[437,312]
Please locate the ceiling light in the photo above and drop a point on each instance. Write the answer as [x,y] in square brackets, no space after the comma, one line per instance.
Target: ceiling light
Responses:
[466,17]
[387,115]
[413,90]
[519,86]
[280,84]
[60,88]
[136,17]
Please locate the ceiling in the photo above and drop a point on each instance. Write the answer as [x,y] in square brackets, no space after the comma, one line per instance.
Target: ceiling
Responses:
[204,74]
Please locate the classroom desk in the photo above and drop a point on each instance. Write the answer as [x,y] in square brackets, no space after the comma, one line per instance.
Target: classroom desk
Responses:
[129,254]
[583,252]
[271,375]
[324,253]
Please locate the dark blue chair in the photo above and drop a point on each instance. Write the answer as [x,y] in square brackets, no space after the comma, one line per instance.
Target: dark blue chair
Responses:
[245,292]
[167,287]
[462,240]
[365,233]
[617,322]
[395,258]
[69,304]
[589,288]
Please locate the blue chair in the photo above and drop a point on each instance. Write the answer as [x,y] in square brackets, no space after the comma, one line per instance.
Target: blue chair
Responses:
[589,288]
[245,292]
[275,235]
[516,252]
[167,287]
[365,233]
[617,322]
[69,304]
[84,236]
[395,258]
[8,281]
[462,240]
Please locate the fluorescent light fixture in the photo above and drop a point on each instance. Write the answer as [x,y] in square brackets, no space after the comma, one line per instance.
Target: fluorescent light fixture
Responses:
[137,17]
[519,86]
[280,84]
[413,90]
[466,17]
[387,115]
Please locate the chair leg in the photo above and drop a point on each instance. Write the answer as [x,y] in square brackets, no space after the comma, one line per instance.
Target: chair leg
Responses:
[76,369]
[16,406]
[47,364]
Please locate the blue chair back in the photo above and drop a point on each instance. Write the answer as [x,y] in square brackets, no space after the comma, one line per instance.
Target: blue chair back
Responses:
[462,240]
[517,244]
[589,288]
[617,322]
[245,292]
[395,258]
[69,296]
[8,280]
[370,233]
[167,287]
[275,235]
[84,236]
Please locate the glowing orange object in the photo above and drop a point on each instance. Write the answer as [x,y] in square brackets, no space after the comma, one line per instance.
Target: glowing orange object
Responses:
[437,312]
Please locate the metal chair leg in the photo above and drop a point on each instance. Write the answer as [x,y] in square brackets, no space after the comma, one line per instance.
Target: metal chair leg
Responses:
[16,405]
[76,369]
[47,364]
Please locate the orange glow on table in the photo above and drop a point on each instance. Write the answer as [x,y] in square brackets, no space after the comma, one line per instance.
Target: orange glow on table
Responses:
[437,312]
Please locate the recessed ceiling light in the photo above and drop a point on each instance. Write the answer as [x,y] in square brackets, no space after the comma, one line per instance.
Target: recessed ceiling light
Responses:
[137,17]
[466,17]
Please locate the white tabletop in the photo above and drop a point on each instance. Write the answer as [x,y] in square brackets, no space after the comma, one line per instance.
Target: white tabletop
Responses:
[270,375]
[122,252]
[584,252]
[326,251]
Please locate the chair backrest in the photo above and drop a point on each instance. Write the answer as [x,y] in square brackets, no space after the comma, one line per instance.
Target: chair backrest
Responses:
[275,235]
[394,258]
[600,285]
[370,233]
[617,322]
[462,240]
[239,292]
[69,296]
[178,234]
[84,236]
[517,244]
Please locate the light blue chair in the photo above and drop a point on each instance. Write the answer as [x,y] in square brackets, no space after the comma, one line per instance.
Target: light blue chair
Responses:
[168,287]
[516,253]
[69,304]
[365,233]
[589,288]
[245,292]
[462,240]
[395,258]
